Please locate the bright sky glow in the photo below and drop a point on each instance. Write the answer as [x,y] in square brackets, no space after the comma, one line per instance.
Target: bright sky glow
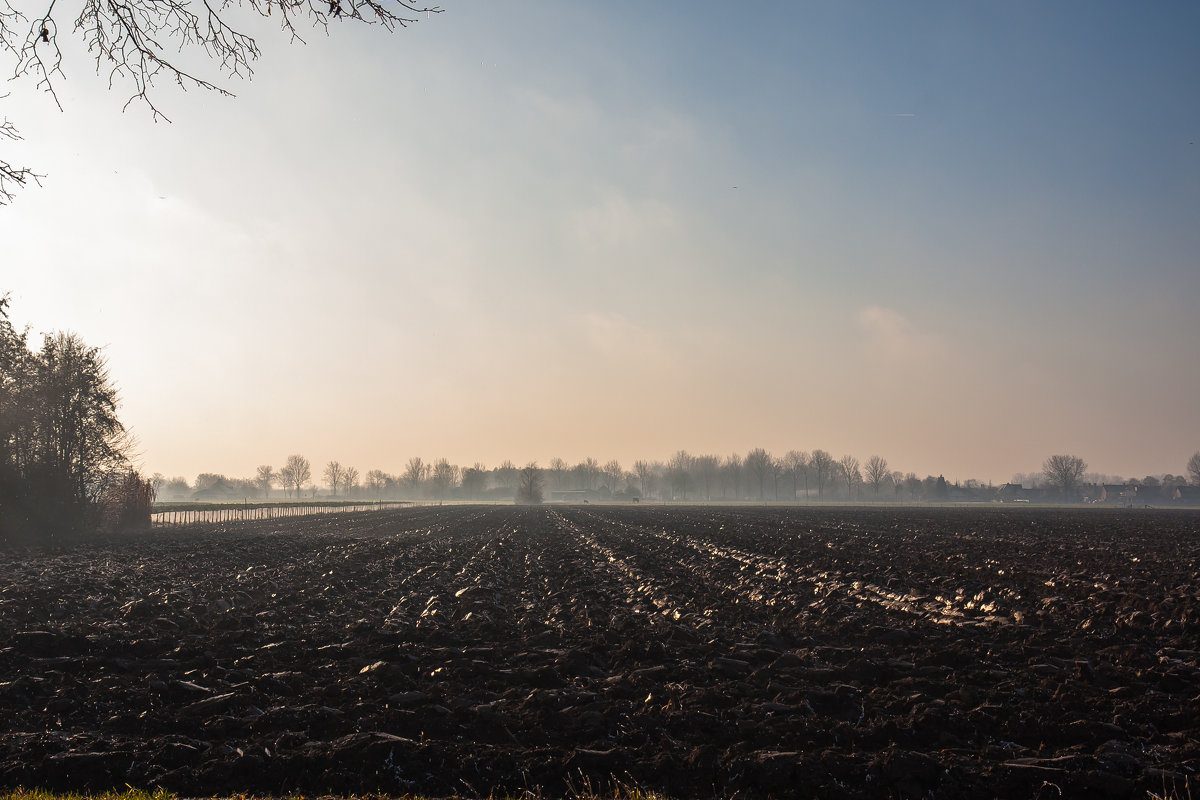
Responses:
[961,236]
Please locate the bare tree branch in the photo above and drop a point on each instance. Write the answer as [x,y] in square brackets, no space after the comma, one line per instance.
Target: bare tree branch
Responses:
[12,177]
[140,42]
[37,54]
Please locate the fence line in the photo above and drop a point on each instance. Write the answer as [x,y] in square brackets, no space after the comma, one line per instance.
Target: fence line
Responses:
[198,516]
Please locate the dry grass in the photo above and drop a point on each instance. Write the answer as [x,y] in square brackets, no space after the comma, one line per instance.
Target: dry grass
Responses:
[1173,794]
[127,794]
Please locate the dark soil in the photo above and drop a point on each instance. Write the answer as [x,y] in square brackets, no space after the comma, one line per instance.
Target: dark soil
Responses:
[696,651]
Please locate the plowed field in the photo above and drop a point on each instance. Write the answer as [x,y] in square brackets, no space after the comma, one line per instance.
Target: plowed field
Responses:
[697,651]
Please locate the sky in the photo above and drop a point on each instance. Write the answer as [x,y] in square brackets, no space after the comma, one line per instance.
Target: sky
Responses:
[962,236]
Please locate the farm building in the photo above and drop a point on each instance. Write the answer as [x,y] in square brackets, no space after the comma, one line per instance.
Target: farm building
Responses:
[1013,492]
[1186,495]
[1116,494]
[222,491]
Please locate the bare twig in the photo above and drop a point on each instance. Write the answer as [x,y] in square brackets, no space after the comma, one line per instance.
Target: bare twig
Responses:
[12,177]
[38,54]
[130,39]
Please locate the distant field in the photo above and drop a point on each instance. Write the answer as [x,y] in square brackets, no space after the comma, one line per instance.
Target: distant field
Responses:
[695,651]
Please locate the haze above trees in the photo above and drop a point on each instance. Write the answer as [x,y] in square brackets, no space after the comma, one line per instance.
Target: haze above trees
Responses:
[759,476]
[66,464]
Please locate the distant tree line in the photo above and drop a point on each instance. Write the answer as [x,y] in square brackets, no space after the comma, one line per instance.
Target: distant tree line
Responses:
[795,476]
[64,454]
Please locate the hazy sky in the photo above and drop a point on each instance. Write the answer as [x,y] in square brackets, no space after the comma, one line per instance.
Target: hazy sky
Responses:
[963,236]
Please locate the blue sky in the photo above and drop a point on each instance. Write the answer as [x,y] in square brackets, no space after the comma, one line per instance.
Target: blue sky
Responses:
[963,237]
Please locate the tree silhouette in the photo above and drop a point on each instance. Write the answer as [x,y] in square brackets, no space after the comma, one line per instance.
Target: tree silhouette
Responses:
[263,478]
[731,475]
[529,488]
[444,477]
[877,472]
[350,481]
[614,475]
[587,472]
[335,476]
[849,468]
[796,463]
[822,464]
[758,463]
[294,473]
[706,469]
[474,479]
[642,470]
[1064,472]
[679,472]
[415,472]
[62,447]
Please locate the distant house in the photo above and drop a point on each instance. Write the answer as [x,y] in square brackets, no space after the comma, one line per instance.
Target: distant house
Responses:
[1187,495]
[222,491]
[1013,493]
[1137,495]
[1153,495]
[966,494]
[1117,494]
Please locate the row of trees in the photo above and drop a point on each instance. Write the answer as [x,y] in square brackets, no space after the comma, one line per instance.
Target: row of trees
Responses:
[295,478]
[64,454]
[759,475]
